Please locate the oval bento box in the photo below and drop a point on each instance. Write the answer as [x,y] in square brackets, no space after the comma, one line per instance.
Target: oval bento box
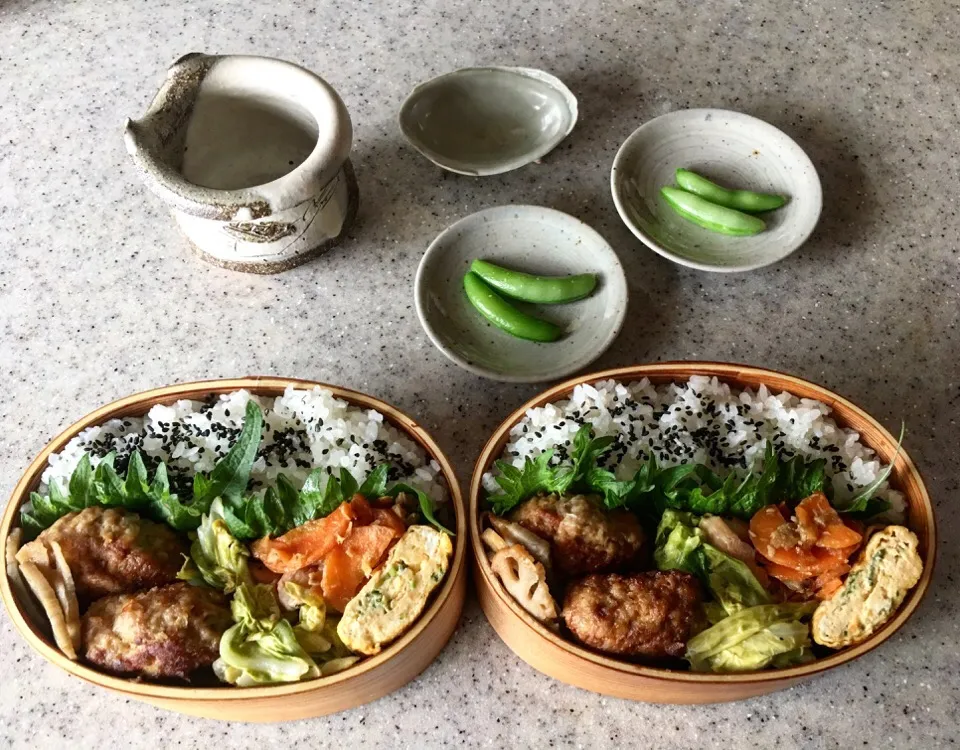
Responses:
[564,660]
[373,678]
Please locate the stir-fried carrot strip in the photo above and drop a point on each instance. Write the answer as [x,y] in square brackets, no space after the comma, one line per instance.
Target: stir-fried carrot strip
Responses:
[777,540]
[839,536]
[347,567]
[838,571]
[361,509]
[807,525]
[387,517]
[368,545]
[811,550]
[831,531]
[342,578]
[312,541]
[785,573]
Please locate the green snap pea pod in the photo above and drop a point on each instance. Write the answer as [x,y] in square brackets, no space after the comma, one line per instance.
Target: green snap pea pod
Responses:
[709,215]
[504,315]
[741,200]
[546,290]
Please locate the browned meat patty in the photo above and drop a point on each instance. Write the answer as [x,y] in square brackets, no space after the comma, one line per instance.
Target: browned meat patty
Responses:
[584,537]
[169,631]
[111,551]
[651,615]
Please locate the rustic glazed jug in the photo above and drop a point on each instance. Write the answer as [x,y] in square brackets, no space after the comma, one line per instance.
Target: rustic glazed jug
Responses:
[250,154]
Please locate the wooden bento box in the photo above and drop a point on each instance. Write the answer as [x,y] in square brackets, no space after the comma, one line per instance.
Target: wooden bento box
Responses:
[373,678]
[568,662]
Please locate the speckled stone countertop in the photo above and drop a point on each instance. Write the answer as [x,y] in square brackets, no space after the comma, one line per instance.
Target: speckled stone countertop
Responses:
[100,297]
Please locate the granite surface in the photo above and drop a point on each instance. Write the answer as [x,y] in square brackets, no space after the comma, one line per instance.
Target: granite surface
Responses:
[100,297]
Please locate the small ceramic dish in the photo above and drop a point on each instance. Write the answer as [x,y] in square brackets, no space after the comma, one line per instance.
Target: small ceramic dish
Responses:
[485,121]
[568,662]
[373,678]
[733,149]
[534,240]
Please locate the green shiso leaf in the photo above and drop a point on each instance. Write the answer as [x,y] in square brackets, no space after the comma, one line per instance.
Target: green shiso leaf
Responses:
[864,505]
[81,484]
[231,475]
[686,487]
[375,485]
[539,476]
[282,507]
[245,515]
[516,485]
[104,486]
[428,507]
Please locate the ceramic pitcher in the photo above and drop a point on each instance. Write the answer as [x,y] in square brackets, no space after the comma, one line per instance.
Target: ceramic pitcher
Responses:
[251,155]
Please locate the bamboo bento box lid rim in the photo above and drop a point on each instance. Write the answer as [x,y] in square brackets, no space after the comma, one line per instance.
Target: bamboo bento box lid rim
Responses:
[261,385]
[726,372]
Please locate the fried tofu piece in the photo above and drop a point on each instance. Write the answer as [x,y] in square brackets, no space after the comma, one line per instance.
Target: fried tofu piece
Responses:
[396,594]
[110,551]
[168,631]
[887,568]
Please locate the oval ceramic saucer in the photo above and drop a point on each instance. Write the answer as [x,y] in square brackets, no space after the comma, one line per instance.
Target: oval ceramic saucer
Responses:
[486,121]
[733,149]
[535,240]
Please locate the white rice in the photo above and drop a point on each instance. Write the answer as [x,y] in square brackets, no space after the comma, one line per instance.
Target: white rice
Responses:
[303,430]
[702,421]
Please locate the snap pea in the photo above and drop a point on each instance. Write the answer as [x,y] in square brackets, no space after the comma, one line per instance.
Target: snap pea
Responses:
[709,215]
[504,315]
[741,200]
[546,290]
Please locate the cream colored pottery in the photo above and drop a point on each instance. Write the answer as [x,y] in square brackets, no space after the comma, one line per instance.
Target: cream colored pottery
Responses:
[734,149]
[250,155]
[533,239]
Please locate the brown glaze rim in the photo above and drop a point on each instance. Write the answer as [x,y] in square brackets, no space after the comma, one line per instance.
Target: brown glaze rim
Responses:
[138,404]
[844,412]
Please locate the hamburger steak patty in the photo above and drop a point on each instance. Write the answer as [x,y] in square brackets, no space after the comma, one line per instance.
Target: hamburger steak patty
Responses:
[650,615]
[111,551]
[584,537]
[164,632]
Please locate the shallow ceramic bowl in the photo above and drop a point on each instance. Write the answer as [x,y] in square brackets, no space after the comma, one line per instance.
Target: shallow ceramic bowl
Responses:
[485,121]
[535,240]
[570,663]
[374,677]
[733,149]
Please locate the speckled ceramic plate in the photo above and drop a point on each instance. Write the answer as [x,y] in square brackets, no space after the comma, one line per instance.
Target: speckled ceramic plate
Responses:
[534,240]
[733,149]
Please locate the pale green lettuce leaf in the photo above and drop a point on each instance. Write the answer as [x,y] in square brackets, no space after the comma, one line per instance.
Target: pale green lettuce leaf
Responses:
[312,614]
[263,656]
[731,582]
[216,557]
[261,648]
[707,651]
[678,543]
[760,649]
